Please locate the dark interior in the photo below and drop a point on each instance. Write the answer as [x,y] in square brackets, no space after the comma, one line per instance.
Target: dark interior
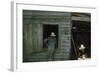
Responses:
[81,34]
[47,29]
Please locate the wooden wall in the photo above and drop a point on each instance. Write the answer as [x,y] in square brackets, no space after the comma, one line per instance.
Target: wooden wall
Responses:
[33,32]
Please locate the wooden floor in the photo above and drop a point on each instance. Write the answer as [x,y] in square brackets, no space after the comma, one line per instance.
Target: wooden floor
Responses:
[43,56]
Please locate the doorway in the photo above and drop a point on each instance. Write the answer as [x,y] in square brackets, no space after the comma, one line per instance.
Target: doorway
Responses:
[47,29]
[81,34]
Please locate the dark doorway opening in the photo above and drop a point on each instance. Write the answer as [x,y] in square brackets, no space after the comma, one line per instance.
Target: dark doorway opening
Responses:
[47,29]
[81,34]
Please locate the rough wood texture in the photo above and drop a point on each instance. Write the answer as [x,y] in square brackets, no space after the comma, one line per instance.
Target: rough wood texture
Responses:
[33,34]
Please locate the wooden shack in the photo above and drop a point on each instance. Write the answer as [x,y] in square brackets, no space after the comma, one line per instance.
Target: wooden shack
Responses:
[37,25]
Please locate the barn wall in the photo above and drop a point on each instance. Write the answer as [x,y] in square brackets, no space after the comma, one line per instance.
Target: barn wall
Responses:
[33,33]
